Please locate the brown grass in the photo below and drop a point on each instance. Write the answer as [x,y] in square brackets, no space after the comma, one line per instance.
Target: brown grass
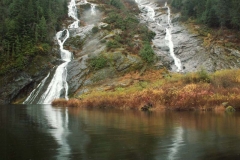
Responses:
[173,92]
[66,103]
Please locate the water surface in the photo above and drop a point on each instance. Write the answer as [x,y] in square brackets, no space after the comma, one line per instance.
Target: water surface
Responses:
[44,132]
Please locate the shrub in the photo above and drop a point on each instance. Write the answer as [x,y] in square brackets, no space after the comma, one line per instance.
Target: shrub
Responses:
[112,17]
[116,3]
[147,34]
[203,76]
[98,62]
[226,78]
[95,29]
[59,102]
[200,76]
[112,44]
[230,109]
[147,53]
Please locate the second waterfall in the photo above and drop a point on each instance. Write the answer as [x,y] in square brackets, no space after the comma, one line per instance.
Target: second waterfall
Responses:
[168,37]
[57,87]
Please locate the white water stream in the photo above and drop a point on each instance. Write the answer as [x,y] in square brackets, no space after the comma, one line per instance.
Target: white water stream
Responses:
[168,37]
[93,10]
[93,6]
[148,9]
[58,84]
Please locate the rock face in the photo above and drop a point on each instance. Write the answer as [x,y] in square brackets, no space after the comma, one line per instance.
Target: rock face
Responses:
[11,86]
[77,72]
[80,74]
[19,84]
[188,48]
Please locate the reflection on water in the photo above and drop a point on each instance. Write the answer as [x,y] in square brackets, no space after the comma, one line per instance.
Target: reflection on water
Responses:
[177,140]
[44,132]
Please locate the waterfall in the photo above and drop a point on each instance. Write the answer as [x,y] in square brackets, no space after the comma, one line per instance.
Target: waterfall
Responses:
[93,11]
[93,7]
[58,85]
[148,14]
[168,37]
[72,12]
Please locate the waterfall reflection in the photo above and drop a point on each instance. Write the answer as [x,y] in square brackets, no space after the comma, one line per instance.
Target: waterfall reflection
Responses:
[177,143]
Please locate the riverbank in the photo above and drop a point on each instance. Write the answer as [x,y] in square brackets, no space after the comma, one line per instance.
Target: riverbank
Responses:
[160,90]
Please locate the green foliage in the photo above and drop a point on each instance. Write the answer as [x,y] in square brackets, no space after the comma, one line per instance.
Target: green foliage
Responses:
[98,62]
[200,76]
[112,44]
[147,34]
[203,76]
[77,41]
[130,27]
[177,3]
[116,3]
[230,109]
[147,53]
[95,29]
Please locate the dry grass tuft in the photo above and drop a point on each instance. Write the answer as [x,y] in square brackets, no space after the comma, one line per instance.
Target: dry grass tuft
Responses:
[59,102]
[66,103]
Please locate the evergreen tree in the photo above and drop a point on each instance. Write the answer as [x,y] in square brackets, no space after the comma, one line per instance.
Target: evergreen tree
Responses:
[214,13]
[235,14]
[42,28]
[222,11]
[211,18]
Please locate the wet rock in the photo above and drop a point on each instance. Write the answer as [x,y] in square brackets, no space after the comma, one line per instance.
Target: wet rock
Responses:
[81,31]
[230,109]
[102,25]
[103,74]
[77,71]
[127,63]
[146,107]
[57,62]
[225,104]
[12,85]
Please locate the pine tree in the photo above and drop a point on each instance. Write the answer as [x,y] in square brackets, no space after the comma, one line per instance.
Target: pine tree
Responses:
[210,16]
[42,29]
[235,14]
[222,11]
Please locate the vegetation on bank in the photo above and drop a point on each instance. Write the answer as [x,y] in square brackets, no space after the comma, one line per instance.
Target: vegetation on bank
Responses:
[26,29]
[163,90]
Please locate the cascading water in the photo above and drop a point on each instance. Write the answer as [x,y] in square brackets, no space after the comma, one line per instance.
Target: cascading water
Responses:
[58,84]
[149,15]
[93,11]
[168,37]
[93,7]
[72,12]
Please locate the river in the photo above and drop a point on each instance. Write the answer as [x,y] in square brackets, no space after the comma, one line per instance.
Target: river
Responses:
[44,132]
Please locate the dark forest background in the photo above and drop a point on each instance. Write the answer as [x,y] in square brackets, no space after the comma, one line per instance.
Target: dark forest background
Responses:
[27,28]
[214,13]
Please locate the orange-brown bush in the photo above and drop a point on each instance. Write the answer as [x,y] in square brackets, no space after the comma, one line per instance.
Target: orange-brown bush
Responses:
[172,93]
[59,102]
[66,103]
